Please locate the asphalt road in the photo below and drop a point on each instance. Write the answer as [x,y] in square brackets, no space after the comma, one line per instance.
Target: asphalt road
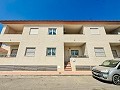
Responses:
[54,83]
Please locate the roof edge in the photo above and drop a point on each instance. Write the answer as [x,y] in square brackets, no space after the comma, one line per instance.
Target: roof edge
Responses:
[58,21]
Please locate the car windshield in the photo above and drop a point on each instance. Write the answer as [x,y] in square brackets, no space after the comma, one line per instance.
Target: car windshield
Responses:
[110,63]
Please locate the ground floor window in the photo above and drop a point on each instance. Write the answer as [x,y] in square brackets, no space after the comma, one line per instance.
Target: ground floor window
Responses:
[74,52]
[99,52]
[51,52]
[13,52]
[30,51]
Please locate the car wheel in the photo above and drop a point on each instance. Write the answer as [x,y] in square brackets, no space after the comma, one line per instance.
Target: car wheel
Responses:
[116,79]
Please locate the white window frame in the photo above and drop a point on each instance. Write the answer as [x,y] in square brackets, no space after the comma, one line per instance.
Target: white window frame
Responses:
[99,53]
[51,51]
[52,30]
[34,32]
[27,53]
[94,30]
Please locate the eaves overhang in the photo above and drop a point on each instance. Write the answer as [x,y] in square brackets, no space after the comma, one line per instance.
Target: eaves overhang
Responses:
[57,22]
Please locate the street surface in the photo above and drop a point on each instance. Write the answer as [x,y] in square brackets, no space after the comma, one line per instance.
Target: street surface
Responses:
[54,83]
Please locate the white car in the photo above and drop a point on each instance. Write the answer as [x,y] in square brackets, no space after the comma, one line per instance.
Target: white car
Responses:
[109,70]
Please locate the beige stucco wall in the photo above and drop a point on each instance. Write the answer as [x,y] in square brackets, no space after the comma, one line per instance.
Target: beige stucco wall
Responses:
[43,40]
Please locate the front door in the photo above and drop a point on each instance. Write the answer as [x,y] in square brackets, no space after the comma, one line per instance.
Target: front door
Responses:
[67,55]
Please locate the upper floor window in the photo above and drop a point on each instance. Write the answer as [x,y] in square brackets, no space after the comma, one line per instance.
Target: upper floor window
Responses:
[52,31]
[30,51]
[51,51]
[33,31]
[99,52]
[94,30]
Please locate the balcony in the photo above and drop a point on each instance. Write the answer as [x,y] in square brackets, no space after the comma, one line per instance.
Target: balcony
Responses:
[74,38]
[113,38]
[10,37]
[112,30]
[73,29]
[8,49]
[79,56]
[115,47]
[75,50]
[7,56]
[112,33]
[13,29]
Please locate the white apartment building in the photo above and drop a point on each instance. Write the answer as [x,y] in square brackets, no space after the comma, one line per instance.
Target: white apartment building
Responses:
[57,45]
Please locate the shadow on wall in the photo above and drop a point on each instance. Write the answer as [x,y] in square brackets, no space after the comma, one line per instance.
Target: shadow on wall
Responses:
[1,27]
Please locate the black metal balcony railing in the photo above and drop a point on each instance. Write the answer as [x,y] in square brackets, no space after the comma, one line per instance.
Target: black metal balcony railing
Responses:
[7,56]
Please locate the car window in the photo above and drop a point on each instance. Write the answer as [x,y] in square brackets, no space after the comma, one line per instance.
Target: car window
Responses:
[110,63]
[106,63]
[119,67]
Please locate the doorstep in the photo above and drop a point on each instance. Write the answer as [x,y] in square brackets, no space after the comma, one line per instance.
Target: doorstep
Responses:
[47,73]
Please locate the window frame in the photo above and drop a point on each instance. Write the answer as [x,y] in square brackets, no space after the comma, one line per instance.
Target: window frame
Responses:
[51,51]
[52,31]
[13,55]
[32,29]
[92,31]
[96,53]
[30,52]
[74,52]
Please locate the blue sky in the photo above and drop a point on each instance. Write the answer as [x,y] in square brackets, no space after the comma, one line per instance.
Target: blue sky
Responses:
[59,10]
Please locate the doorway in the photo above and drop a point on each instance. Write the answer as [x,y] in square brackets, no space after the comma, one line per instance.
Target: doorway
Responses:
[114,52]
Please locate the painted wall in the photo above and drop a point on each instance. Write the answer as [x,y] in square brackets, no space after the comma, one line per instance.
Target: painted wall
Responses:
[43,40]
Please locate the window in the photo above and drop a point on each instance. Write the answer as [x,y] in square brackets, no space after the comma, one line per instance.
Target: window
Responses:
[119,67]
[74,52]
[33,31]
[13,52]
[94,30]
[52,31]
[30,51]
[99,52]
[51,51]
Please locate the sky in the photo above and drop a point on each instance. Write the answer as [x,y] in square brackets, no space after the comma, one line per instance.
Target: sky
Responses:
[59,10]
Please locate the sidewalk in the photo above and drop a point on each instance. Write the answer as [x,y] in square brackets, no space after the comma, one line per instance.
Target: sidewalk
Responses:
[47,73]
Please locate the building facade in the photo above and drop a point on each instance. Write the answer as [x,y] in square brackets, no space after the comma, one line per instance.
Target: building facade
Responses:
[58,45]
